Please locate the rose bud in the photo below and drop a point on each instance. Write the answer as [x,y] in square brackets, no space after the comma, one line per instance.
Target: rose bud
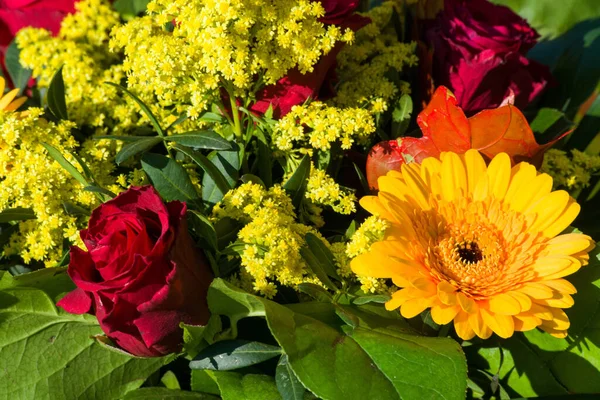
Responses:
[479,53]
[142,275]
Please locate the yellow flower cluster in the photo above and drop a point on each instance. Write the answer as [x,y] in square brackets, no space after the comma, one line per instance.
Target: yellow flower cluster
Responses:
[363,68]
[82,49]
[272,236]
[29,178]
[184,50]
[318,126]
[570,172]
[322,189]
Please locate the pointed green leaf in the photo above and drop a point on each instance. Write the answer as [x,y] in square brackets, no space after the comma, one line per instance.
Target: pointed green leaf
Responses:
[233,354]
[59,158]
[137,147]
[323,254]
[201,140]
[287,383]
[235,386]
[56,96]
[16,214]
[208,167]
[296,184]
[168,177]
[18,74]
[142,106]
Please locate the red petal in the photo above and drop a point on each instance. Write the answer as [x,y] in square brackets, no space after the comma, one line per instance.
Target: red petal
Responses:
[76,302]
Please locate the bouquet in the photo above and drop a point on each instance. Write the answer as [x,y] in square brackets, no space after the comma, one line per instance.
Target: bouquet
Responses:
[299,199]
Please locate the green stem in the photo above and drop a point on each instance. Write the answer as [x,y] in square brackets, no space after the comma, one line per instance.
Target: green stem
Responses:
[237,127]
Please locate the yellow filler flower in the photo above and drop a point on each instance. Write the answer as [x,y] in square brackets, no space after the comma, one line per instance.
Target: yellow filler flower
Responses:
[8,102]
[477,244]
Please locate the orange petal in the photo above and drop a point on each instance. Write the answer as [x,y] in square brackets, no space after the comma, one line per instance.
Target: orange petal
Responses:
[413,307]
[526,322]
[467,304]
[462,326]
[479,327]
[502,325]
[446,293]
[443,314]
[504,304]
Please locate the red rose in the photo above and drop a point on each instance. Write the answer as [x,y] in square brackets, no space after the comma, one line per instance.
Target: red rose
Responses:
[479,53]
[17,14]
[295,88]
[141,275]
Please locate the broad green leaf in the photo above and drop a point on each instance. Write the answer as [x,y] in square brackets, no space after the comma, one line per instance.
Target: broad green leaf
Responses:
[130,8]
[323,254]
[316,266]
[264,159]
[137,147]
[53,281]
[376,298]
[290,388]
[552,18]
[59,158]
[233,354]
[142,106]
[220,182]
[56,96]
[316,292]
[160,393]
[196,337]
[46,353]
[201,140]
[235,386]
[401,115]
[204,381]
[550,123]
[332,365]
[296,184]
[168,177]
[16,214]
[227,163]
[18,74]
[169,379]
[203,228]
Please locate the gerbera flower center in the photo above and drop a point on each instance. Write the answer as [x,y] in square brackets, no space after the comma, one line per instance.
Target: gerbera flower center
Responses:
[469,252]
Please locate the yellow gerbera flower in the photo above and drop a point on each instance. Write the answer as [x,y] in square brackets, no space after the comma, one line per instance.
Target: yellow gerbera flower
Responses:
[8,102]
[477,244]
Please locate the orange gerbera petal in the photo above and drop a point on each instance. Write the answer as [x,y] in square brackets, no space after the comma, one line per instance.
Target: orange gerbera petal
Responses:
[479,245]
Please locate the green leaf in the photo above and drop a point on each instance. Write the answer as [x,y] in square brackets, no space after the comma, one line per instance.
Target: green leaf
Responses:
[361,177]
[209,168]
[203,228]
[142,106]
[130,8]
[98,189]
[587,130]
[252,178]
[235,386]
[56,96]
[233,354]
[264,159]
[287,383]
[169,379]
[119,137]
[377,298]
[18,74]
[227,230]
[46,353]
[134,148]
[168,177]
[323,254]
[16,214]
[67,166]
[204,381]
[228,164]
[401,115]
[333,365]
[316,266]
[316,292]
[550,123]
[201,140]
[196,337]
[296,184]
[52,281]
[553,18]
[158,393]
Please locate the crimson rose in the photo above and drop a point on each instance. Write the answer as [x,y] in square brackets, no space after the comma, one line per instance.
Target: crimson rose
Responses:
[295,88]
[141,275]
[479,53]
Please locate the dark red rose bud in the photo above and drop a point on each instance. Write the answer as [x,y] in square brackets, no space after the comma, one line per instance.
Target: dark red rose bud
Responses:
[142,275]
[479,53]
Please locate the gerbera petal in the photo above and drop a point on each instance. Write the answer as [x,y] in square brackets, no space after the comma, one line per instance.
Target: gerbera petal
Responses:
[519,182]
[413,307]
[377,265]
[443,314]
[559,300]
[373,205]
[462,326]
[531,193]
[561,285]
[454,176]
[536,290]
[15,104]
[466,303]
[523,299]
[504,304]
[418,190]
[562,222]
[430,174]
[502,325]
[526,322]
[476,169]
[398,298]
[8,98]
[446,293]
[479,327]
[541,312]
[554,267]
[568,244]
[499,172]
[548,207]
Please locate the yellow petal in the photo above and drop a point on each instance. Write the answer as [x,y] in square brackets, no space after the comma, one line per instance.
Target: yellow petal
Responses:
[443,314]
[430,173]
[476,169]
[540,312]
[499,172]
[373,205]
[519,182]
[548,208]
[536,290]
[413,307]
[504,304]
[462,326]
[8,97]
[466,303]
[560,321]
[523,299]
[446,293]
[424,284]
[16,104]
[502,325]
[568,244]
[2,85]
[526,322]
[559,300]
[554,267]
[454,177]
[482,189]
[418,190]
[398,298]
[562,286]
[565,219]
[377,265]
[479,327]
[538,188]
